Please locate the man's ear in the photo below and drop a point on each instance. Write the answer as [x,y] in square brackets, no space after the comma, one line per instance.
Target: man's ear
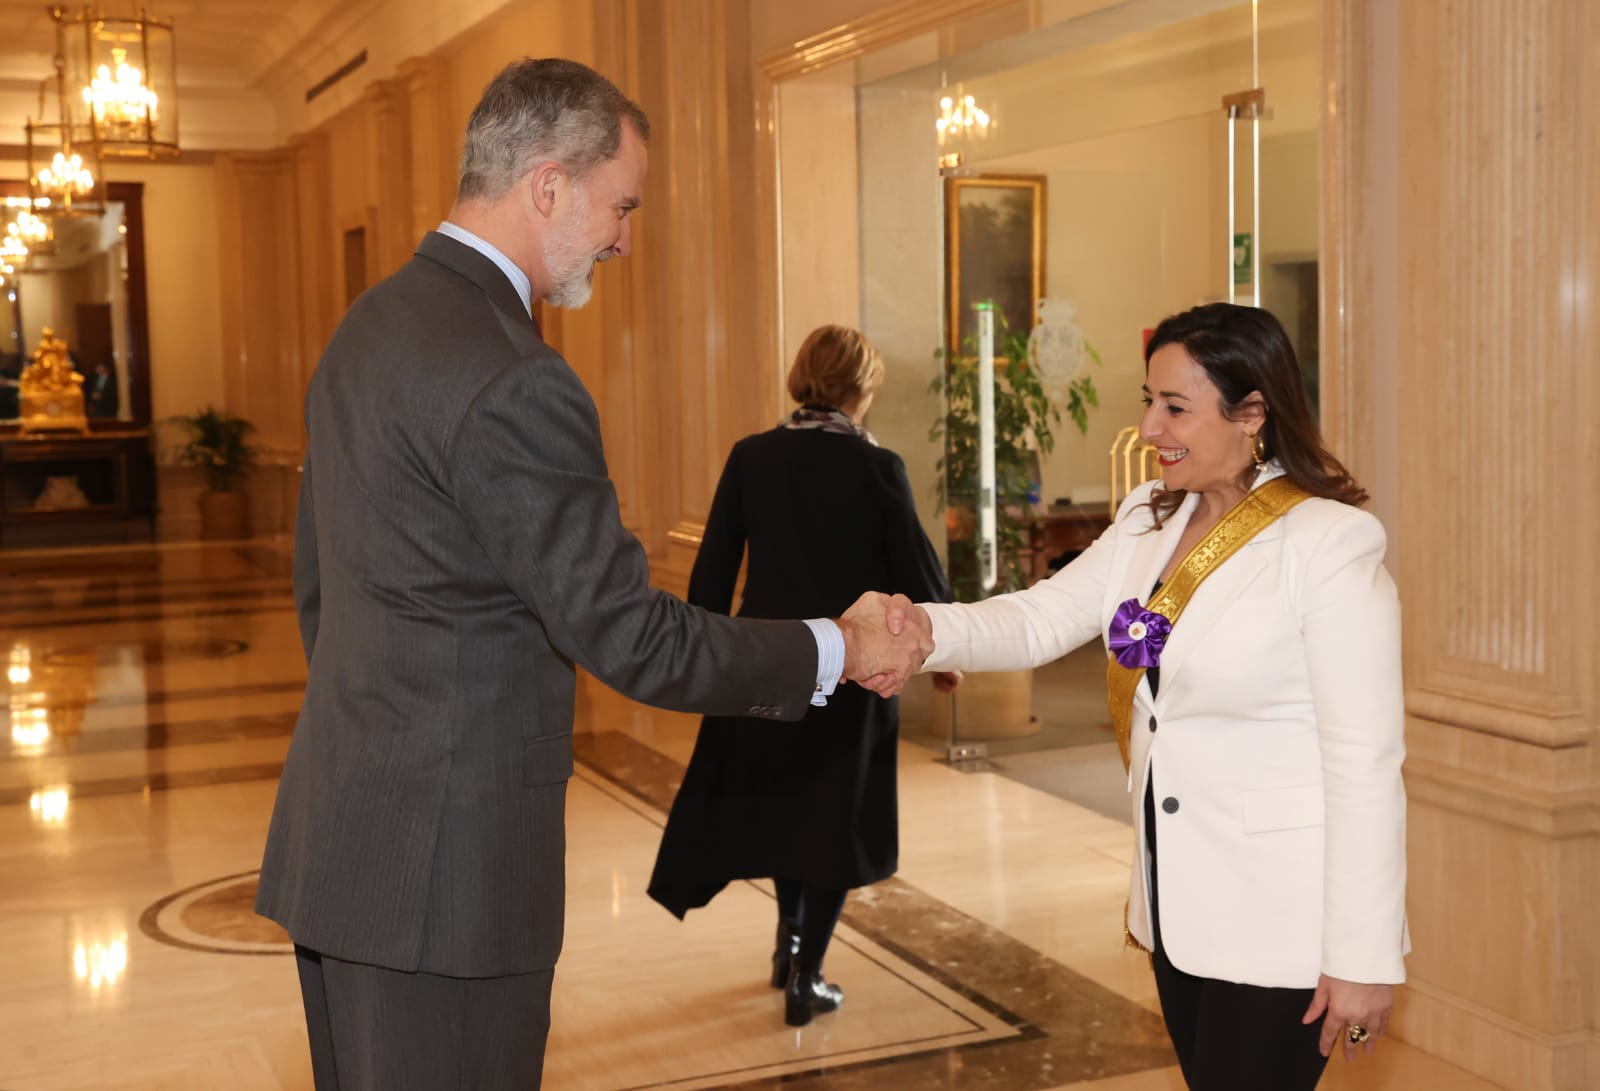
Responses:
[545,183]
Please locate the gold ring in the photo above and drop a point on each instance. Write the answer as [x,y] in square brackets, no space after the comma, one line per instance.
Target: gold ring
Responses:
[1356,1034]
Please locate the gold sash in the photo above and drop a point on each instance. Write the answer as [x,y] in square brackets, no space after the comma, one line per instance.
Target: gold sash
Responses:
[1243,522]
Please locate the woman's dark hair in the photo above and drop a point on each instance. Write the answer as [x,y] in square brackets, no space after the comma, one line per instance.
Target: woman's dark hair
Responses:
[1244,350]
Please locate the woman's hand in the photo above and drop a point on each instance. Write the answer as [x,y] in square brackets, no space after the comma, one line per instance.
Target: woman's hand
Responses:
[946,681]
[1350,1004]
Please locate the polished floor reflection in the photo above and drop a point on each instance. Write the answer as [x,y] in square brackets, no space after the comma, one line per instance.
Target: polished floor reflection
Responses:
[150,694]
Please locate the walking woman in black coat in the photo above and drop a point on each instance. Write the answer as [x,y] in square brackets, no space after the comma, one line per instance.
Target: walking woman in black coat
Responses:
[827,515]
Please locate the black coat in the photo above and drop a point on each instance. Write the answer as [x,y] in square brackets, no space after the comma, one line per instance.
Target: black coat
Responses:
[827,517]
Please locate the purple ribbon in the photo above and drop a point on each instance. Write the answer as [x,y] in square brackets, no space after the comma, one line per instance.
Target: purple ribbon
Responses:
[1137,635]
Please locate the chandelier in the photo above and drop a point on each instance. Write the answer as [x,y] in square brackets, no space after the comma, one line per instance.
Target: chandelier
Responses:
[62,177]
[961,117]
[124,70]
[32,232]
[13,251]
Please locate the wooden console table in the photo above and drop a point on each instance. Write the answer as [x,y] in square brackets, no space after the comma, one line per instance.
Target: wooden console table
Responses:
[1068,529]
[64,479]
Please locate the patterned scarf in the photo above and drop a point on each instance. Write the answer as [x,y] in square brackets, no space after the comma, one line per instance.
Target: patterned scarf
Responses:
[828,420]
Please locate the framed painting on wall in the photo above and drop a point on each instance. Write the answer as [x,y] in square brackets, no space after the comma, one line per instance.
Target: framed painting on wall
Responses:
[994,250]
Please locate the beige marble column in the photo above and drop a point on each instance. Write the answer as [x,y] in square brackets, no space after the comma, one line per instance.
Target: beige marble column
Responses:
[1462,235]
[320,293]
[261,327]
[434,141]
[681,357]
[390,239]
[260,314]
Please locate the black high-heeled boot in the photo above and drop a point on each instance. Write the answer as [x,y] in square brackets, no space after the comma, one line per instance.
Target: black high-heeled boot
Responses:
[784,951]
[808,995]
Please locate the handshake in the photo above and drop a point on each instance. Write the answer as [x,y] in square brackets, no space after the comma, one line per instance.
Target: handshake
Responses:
[886,641]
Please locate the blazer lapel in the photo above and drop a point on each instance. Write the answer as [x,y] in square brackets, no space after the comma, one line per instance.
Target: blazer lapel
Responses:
[1212,599]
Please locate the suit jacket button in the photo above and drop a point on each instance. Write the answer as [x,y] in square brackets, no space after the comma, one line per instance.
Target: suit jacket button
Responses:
[1152,725]
[1170,805]
[776,710]
[755,710]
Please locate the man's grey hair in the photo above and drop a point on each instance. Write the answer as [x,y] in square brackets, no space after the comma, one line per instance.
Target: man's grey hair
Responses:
[543,110]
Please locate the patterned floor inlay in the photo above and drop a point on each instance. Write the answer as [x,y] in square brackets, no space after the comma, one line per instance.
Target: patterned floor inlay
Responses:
[158,698]
[283,606]
[1076,1030]
[217,916]
[152,782]
[152,650]
[157,735]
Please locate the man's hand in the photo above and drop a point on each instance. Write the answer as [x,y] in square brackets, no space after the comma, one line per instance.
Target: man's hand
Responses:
[875,657]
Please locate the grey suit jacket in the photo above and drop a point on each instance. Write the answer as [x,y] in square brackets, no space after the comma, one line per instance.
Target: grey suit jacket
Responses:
[458,549]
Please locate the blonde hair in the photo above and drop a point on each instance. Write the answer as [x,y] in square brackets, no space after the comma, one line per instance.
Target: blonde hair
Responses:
[836,367]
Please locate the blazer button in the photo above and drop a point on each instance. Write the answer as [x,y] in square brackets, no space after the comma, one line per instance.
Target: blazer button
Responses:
[1152,725]
[1170,805]
[756,710]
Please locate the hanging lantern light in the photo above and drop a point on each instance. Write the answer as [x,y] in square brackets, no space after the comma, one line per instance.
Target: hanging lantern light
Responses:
[29,233]
[123,69]
[13,251]
[63,177]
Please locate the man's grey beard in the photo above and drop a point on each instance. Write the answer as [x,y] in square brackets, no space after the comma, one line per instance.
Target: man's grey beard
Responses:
[570,262]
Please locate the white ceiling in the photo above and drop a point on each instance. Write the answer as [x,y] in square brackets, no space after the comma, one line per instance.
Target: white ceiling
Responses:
[234,57]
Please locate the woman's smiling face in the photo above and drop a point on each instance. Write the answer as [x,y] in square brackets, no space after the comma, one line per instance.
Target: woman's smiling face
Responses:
[1200,449]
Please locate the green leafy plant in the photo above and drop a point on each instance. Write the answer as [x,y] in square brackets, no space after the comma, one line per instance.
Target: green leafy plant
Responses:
[1025,418]
[218,446]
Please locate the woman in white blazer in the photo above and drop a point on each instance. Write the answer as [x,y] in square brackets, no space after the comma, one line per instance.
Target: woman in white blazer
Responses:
[1265,744]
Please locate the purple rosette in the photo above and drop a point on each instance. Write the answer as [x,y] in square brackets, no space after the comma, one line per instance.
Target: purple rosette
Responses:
[1138,635]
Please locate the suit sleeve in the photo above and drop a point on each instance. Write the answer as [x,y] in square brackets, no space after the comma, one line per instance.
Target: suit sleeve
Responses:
[528,473]
[913,562]
[1350,614]
[307,575]
[716,565]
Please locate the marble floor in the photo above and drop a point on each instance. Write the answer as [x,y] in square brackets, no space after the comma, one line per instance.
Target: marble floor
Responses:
[150,696]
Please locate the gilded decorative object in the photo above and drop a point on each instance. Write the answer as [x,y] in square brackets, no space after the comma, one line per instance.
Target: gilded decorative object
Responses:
[1132,464]
[52,392]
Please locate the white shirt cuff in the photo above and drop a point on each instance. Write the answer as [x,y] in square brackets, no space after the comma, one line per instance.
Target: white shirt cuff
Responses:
[830,658]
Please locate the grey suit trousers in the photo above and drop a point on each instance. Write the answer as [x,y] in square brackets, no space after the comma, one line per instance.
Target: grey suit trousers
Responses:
[398,1031]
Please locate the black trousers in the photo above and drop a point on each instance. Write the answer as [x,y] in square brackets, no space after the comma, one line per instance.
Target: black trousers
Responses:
[1231,1037]
[376,1029]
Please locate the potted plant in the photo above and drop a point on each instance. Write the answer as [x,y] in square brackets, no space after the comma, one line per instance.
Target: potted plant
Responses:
[218,446]
[1026,415]
[1025,418]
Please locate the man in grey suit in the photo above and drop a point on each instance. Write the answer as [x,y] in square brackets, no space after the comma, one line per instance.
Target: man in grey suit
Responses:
[458,551]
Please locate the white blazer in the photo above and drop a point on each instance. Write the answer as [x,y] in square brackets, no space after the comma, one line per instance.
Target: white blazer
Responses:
[1274,743]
